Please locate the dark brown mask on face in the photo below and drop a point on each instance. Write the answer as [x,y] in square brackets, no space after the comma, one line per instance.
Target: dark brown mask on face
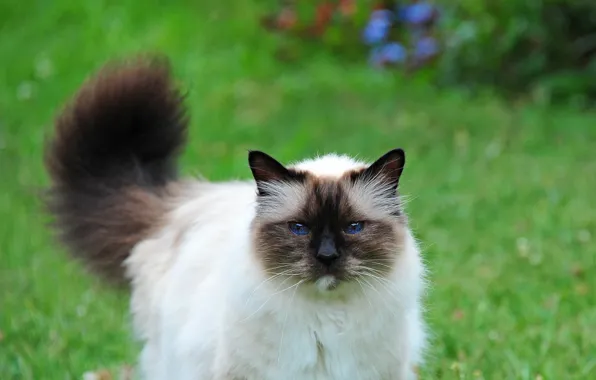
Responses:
[311,226]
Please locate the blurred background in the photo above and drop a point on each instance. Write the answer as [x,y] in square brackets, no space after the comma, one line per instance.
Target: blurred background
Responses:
[492,101]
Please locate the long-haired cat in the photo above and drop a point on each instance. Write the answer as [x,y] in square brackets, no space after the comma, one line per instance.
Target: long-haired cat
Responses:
[308,272]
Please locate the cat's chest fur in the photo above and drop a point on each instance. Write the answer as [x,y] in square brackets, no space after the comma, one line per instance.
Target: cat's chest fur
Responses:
[326,344]
[259,335]
[332,347]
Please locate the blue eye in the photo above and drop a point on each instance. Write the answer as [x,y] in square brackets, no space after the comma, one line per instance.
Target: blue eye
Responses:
[354,228]
[298,228]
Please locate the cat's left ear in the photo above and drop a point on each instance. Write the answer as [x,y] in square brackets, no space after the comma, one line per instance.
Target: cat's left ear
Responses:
[387,169]
[266,169]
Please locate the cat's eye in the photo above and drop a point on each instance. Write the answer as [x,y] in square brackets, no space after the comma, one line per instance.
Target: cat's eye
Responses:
[354,228]
[298,228]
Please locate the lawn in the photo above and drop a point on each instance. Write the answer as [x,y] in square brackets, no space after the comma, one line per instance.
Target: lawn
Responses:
[500,195]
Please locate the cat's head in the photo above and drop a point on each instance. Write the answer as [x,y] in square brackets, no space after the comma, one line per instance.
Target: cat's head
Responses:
[328,220]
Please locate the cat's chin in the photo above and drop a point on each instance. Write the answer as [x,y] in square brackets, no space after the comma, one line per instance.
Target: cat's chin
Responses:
[327,283]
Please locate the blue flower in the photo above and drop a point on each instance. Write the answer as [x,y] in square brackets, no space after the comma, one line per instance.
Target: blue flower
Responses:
[392,53]
[378,27]
[417,13]
[426,47]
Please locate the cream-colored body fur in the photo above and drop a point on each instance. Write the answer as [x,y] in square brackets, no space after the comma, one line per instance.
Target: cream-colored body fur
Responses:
[205,309]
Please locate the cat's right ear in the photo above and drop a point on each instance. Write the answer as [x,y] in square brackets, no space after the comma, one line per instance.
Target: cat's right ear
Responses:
[266,169]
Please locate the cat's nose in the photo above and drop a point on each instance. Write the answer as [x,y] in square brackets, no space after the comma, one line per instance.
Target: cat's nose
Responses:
[327,252]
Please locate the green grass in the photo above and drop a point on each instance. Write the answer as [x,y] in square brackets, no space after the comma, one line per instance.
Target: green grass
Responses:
[501,195]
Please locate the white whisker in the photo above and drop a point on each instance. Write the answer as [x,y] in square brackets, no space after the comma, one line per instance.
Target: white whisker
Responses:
[271,296]
[283,329]
[287,272]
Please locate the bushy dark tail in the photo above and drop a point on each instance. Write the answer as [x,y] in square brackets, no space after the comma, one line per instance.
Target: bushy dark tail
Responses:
[111,160]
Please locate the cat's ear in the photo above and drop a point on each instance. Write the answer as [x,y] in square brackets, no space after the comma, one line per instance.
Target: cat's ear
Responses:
[266,169]
[387,169]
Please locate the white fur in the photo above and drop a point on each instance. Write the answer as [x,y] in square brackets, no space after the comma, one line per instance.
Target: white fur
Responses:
[204,310]
[330,165]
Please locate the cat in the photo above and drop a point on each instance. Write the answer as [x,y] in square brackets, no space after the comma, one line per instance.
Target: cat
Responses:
[309,271]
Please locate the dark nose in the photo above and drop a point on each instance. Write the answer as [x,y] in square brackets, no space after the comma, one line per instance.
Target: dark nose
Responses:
[327,253]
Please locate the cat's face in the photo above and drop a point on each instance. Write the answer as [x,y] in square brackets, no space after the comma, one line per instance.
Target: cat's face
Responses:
[328,220]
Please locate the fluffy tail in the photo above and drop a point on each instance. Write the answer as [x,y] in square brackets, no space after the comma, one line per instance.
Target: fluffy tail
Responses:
[111,159]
